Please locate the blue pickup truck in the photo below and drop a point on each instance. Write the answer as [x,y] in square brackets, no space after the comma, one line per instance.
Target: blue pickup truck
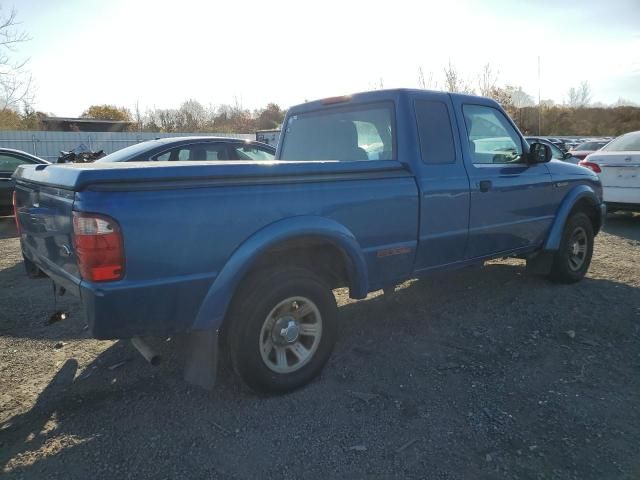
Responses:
[366,191]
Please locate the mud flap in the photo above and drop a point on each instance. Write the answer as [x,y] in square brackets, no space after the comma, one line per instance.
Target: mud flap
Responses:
[540,263]
[201,358]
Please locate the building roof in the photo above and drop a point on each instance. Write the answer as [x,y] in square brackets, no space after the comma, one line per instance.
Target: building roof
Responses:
[85,124]
[82,120]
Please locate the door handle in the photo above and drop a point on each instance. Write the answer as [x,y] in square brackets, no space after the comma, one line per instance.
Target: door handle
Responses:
[485,185]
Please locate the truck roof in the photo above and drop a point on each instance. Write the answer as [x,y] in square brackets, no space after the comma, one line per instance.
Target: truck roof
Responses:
[393,94]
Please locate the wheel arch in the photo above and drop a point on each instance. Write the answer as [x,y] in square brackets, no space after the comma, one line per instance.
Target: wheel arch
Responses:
[284,240]
[580,198]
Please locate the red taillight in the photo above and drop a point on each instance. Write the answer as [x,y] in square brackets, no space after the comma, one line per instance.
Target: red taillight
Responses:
[99,247]
[590,165]
[15,212]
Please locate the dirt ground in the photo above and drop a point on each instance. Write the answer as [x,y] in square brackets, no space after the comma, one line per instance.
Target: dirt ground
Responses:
[486,373]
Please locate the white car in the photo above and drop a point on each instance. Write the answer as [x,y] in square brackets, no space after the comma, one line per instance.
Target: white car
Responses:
[618,166]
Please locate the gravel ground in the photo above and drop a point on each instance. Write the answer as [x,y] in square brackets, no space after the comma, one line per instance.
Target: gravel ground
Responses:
[486,373]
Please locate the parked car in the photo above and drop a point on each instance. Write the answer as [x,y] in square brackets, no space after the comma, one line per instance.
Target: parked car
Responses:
[254,249]
[568,142]
[618,166]
[558,143]
[10,160]
[192,148]
[556,152]
[586,148]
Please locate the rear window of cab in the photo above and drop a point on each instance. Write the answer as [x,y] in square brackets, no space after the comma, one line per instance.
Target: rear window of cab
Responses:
[346,133]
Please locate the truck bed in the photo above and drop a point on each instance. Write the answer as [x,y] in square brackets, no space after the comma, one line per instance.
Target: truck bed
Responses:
[173,259]
[79,176]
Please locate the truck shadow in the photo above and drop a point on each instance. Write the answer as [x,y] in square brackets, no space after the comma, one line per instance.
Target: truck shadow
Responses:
[625,225]
[479,327]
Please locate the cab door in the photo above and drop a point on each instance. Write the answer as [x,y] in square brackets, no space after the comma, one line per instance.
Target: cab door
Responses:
[443,184]
[511,203]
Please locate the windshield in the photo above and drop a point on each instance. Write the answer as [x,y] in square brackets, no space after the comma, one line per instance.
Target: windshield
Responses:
[126,153]
[349,133]
[629,142]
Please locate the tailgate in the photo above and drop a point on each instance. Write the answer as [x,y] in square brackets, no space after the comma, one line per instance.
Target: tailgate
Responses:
[45,218]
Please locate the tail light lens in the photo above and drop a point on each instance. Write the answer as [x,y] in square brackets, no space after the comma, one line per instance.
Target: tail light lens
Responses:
[590,165]
[15,212]
[99,247]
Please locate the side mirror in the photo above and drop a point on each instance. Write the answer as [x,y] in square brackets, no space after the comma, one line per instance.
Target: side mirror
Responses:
[567,155]
[539,153]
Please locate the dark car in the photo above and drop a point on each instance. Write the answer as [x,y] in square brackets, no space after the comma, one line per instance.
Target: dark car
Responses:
[584,149]
[558,142]
[9,161]
[556,152]
[194,149]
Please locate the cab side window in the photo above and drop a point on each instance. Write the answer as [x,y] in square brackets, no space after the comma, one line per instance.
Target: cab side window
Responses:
[434,130]
[491,137]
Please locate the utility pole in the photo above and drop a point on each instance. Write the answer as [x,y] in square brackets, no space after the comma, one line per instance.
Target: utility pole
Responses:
[539,101]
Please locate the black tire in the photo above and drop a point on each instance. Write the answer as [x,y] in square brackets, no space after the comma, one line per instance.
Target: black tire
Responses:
[563,268]
[255,300]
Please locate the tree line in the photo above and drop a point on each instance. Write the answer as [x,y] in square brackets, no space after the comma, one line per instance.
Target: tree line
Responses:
[576,115]
[546,119]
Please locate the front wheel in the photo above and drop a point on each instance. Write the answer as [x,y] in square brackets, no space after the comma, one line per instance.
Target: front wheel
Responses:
[572,260]
[283,329]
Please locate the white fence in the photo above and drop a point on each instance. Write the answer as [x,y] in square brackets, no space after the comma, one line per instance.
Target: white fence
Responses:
[48,145]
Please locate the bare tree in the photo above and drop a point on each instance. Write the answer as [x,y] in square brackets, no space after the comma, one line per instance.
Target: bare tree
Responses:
[572,97]
[624,102]
[584,93]
[137,117]
[15,82]
[163,120]
[579,97]
[487,80]
[453,81]
[429,82]
[194,116]
[520,98]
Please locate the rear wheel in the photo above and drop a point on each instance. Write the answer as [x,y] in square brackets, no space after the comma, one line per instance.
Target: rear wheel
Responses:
[283,327]
[572,260]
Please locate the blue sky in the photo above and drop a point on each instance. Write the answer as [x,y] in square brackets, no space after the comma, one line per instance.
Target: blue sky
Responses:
[161,53]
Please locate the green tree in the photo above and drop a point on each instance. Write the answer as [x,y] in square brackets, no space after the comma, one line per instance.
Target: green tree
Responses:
[270,117]
[31,119]
[10,120]
[107,112]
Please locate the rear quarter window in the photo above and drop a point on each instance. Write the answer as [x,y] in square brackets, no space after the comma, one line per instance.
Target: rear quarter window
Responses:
[434,131]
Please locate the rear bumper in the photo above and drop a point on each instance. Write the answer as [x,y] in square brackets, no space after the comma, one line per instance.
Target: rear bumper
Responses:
[58,275]
[125,309]
[622,195]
